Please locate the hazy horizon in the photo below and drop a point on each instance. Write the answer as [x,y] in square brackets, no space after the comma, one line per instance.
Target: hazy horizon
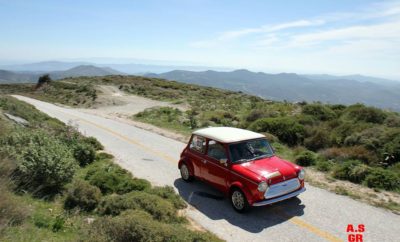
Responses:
[109,61]
[311,37]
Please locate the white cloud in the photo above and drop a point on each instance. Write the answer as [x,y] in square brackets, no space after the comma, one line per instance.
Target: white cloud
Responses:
[388,31]
[231,35]
[365,41]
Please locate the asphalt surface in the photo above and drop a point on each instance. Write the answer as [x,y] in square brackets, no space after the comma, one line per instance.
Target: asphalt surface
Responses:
[316,215]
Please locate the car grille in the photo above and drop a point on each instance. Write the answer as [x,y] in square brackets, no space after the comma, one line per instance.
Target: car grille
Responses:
[282,188]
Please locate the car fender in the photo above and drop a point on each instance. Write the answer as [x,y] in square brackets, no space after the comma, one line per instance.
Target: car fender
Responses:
[244,189]
[188,163]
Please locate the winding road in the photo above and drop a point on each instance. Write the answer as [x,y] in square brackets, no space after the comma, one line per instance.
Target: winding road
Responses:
[317,215]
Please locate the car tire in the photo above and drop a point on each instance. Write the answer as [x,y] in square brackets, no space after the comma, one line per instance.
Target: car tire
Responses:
[238,200]
[185,173]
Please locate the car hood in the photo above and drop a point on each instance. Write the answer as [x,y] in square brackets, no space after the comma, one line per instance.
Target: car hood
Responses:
[273,168]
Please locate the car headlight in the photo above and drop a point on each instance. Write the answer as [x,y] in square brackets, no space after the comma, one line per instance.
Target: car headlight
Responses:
[262,187]
[302,174]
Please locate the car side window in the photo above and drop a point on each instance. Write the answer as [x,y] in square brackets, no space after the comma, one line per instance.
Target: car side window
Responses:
[198,144]
[216,150]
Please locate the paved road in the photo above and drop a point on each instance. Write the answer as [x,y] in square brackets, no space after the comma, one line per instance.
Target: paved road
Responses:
[317,215]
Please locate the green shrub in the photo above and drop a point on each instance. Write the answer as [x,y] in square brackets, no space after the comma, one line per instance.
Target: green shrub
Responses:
[319,140]
[360,112]
[321,112]
[393,121]
[343,170]
[350,153]
[82,195]
[391,151]
[306,158]
[159,208]
[41,220]
[358,173]
[381,178]
[139,226]
[104,156]
[58,223]
[84,154]
[324,165]
[395,168]
[111,178]
[256,114]
[93,142]
[44,165]
[288,130]
[168,193]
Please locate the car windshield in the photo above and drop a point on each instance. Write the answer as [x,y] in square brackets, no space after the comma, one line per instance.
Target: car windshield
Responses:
[250,150]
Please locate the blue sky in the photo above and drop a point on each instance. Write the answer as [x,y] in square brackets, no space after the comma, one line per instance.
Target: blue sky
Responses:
[320,36]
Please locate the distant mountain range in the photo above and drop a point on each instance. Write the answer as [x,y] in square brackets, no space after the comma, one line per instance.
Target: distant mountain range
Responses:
[32,76]
[292,87]
[130,68]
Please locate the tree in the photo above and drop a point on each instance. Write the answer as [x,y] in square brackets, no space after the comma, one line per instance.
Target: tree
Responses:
[44,79]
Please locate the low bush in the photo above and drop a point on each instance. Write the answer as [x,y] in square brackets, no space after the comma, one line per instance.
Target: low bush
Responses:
[84,154]
[320,111]
[139,226]
[350,153]
[352,170]
[319,140]
[287,129]
[41,220]
[360,112]
[306,158]
[159,208]
[111,178]
[168,193]
[83,195]
[381,178]
[324,165]
[104,156]
[391,151]
[93,142]
[44,164]
[358,173]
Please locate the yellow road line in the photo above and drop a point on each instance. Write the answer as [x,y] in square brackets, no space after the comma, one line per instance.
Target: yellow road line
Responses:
[294,220]
[315,230]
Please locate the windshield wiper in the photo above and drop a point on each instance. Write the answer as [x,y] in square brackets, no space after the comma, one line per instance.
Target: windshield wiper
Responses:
[260,157]
[242,160]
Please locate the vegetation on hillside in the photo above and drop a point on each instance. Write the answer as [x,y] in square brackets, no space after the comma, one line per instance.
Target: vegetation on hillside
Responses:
[55,185]
[363,141]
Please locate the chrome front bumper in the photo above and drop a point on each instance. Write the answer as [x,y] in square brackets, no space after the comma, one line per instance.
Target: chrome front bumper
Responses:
[278,199]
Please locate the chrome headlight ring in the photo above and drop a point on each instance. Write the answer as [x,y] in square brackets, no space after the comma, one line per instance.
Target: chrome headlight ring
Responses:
[262,186]
[302,174]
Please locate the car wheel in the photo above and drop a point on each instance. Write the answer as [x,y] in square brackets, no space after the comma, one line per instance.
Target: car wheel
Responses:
[185,174]
[239,200]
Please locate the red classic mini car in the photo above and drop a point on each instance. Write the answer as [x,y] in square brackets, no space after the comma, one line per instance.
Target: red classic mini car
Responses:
[241,164]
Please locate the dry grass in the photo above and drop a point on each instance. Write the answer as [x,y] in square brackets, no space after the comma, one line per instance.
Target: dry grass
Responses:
[384,199]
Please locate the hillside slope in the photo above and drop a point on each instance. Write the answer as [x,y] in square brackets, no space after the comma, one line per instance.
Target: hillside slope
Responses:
[293,87]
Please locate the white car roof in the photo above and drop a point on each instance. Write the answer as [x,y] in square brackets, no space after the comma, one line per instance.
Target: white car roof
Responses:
[227,134]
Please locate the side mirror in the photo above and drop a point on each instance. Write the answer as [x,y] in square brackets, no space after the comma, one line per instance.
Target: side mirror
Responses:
[224,162]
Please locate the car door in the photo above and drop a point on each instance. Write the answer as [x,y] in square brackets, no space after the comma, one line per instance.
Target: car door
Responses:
[214,171]
[197,148]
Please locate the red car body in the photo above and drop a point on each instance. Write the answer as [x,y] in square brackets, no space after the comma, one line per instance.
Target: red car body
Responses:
[282,177]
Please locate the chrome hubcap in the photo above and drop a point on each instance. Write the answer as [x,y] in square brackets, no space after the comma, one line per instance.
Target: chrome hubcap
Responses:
[184,172]
[238,200]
